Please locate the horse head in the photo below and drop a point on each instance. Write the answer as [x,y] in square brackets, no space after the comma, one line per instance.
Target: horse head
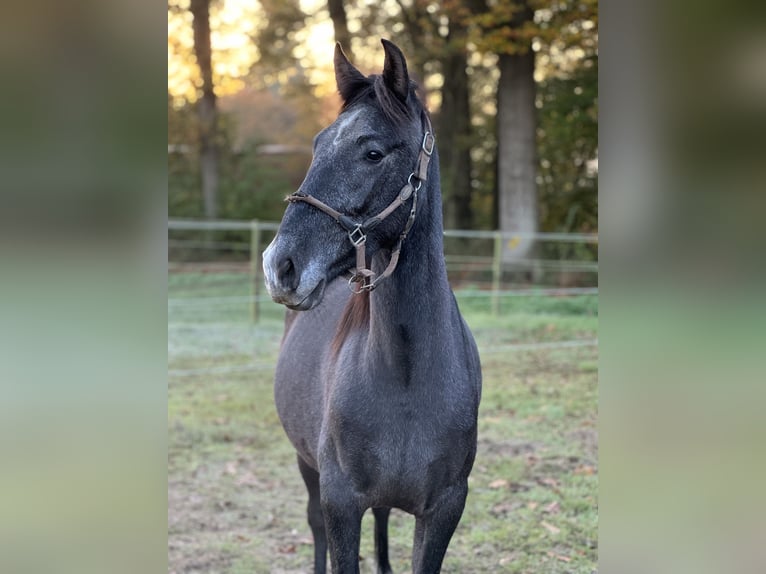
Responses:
[361,164]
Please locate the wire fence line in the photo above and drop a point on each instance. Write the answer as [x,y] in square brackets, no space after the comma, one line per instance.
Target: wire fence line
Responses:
[221,225]
[482,274]
[221,321]
[202,301]
[270,365]
[454,262]
[241,225]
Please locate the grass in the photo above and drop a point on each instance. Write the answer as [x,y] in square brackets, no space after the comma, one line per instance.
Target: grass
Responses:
[236,500]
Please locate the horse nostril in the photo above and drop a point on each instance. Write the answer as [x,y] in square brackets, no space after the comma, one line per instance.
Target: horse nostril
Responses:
[286,273]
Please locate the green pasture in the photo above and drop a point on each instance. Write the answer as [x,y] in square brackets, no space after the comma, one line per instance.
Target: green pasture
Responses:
[236,500]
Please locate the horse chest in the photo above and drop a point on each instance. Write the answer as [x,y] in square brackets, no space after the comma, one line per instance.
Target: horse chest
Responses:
[395,445]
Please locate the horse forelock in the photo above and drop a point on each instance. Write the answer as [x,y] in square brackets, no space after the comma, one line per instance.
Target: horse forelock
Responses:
[394,109]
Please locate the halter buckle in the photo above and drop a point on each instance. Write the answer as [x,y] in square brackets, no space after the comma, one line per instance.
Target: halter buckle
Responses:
[357,236]
[428,143]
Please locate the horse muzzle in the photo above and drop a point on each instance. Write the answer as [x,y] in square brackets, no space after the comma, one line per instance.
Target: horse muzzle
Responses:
[289,285]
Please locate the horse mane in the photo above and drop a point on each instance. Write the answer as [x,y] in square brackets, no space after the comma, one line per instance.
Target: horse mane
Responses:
[355,315]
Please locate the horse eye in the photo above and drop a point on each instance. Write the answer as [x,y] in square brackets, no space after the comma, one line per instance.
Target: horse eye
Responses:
[374,155]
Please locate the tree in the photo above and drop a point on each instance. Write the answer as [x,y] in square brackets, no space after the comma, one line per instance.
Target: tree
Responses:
[516,136]
[337,11]
[435,39]
[514,30]
[454,128]
[206,107]
[516,152]
[567,140]
[506,28]
[276,38]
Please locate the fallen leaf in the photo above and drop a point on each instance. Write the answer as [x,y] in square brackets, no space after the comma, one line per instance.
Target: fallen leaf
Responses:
[559,557]
[532,505]
[247,479]
[507,559]
[551,483]
[550,528]
[231,468]
[505,508]
[584,469]
[518,487]
[499,483]
[552,508]
[287,549]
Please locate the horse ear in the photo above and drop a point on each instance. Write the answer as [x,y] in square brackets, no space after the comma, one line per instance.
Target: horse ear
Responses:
[395,71]
[347,77]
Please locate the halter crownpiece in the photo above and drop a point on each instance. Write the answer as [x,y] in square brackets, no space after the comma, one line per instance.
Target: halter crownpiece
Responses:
[357,232]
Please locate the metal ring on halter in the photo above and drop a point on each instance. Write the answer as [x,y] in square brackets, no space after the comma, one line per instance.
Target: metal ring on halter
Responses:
[420,182]
[356,279]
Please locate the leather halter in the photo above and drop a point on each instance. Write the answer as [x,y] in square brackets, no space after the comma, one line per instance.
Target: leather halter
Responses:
[357,232]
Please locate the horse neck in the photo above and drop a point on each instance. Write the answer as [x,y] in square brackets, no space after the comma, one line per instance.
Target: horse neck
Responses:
[417,295]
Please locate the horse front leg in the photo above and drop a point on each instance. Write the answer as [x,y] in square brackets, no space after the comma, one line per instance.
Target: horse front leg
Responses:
[381,539]
[434,529]
[343,522]
[315,517]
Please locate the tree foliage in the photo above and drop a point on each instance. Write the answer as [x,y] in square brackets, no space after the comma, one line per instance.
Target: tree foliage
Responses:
[276,39]
[253,183]
[567,141]
[453,49]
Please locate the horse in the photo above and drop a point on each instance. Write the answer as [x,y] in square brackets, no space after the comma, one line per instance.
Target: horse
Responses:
[378,379]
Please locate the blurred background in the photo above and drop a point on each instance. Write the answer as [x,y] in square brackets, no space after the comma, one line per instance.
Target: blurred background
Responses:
[513,92]
[512,88]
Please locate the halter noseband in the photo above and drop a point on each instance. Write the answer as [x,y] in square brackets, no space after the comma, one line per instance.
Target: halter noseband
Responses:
[357,232]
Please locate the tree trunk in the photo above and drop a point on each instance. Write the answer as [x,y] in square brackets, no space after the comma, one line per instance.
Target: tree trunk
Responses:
[416,20]
[206,107]
[340,25]
[209,155]
[454,132]
[516,157]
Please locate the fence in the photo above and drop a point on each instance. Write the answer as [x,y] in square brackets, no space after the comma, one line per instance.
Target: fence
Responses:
[221,322]
[475,261]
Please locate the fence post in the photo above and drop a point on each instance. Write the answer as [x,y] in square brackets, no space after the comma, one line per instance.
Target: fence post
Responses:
[255,258]
[497,270]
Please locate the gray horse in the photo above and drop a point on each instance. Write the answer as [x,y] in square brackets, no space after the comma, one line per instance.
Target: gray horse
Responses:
[378,380]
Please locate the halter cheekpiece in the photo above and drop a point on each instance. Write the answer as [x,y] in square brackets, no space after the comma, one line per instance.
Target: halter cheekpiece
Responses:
[362,275]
